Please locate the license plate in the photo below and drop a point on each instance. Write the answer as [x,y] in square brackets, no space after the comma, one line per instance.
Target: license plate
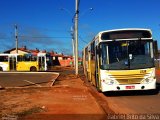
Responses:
[130,87]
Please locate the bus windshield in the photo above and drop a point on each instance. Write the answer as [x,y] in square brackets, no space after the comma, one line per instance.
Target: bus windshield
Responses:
[122,55]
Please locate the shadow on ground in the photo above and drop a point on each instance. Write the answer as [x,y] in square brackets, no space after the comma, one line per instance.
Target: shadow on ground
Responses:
[134,93]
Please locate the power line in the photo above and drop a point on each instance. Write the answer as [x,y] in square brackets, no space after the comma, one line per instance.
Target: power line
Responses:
[82,39]
[6,38]
[35,37]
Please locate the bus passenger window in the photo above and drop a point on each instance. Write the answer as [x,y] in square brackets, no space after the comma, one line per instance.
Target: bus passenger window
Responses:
[3,58]
[19,58]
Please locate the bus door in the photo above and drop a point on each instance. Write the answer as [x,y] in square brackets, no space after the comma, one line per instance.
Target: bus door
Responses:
[97,68]
[41,63]
[12,63]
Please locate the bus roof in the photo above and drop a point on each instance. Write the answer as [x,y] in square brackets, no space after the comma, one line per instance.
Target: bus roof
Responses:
[4,54]
[114,30]
[124,29]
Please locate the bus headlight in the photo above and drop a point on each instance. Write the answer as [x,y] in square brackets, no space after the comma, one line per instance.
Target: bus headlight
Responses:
[147,80]
[109,81]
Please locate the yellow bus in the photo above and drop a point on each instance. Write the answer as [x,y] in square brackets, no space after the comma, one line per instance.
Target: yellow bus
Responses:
[23,62]
[121,59]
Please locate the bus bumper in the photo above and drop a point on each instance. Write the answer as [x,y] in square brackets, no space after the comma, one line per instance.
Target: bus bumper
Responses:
[117,87]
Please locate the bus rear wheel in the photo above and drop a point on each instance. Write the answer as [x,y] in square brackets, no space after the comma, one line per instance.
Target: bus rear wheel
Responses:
[1,69]
[33,69]
[97,84]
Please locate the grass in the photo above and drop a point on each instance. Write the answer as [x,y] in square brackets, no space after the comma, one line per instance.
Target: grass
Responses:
[30,111]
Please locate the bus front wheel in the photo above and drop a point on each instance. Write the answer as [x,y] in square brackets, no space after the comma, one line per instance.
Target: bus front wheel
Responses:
[33,69]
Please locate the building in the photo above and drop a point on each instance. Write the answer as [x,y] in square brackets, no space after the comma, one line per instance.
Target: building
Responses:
[61,60]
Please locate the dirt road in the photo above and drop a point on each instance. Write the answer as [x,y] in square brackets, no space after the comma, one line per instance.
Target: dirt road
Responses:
[68,98]
[139,104]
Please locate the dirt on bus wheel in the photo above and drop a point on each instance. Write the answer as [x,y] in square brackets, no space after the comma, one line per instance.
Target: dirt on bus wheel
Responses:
[33,69]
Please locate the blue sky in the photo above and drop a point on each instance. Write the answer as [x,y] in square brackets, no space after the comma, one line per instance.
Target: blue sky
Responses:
[43,25]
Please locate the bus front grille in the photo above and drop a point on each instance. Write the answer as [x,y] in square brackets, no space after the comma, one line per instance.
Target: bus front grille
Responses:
[129,79]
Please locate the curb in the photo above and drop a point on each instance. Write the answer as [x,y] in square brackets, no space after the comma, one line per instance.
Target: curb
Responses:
[53,80]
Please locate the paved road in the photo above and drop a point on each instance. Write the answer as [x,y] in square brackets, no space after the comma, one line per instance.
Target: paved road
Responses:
[134,103]
[137,103]
[24,79]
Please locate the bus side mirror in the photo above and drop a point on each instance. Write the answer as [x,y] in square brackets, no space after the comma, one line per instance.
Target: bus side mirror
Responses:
[155,49]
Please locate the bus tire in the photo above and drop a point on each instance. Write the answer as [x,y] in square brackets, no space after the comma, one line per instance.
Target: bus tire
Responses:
[97,83]
[1,69]
[33,69]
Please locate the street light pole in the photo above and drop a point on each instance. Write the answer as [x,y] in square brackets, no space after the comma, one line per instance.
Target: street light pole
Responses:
[76,37]
[75,33]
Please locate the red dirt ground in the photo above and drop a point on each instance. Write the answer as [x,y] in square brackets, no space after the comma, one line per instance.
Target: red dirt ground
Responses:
[69,98]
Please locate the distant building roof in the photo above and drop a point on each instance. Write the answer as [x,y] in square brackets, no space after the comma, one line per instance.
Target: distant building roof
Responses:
[35,51]
[22,49]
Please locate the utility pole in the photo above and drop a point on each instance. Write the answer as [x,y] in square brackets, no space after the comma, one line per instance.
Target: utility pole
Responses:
[16,37]
[76,36]
[73,45]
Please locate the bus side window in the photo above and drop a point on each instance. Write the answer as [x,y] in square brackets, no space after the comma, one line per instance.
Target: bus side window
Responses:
[20,58]
[33,58]
[27,58]
[3,58]
[93,51]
